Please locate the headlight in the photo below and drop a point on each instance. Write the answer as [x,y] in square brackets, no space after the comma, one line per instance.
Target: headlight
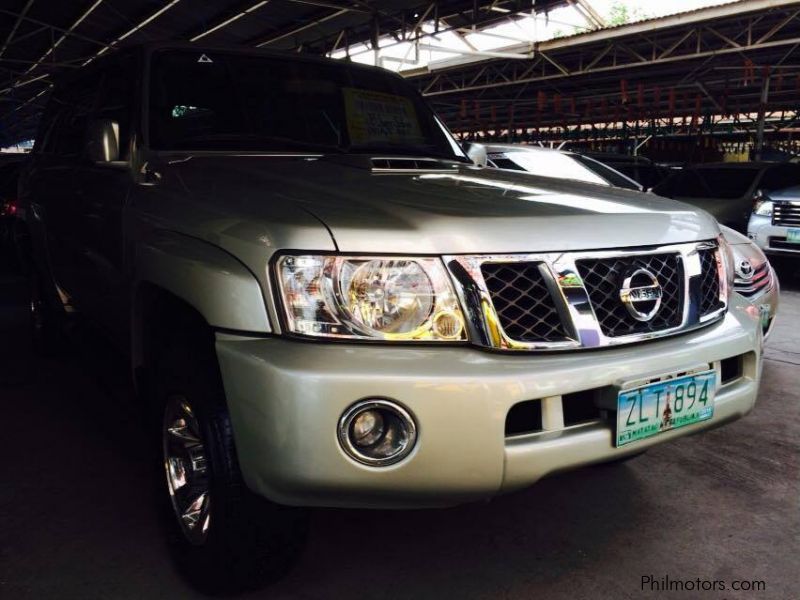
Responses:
[367,297]
[728,265]
[764,208]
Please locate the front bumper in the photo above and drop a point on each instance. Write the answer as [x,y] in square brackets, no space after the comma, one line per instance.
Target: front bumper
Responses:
[764,233]
[286,398]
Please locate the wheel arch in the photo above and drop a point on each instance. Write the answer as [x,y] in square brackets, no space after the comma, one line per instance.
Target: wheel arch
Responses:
[182,282]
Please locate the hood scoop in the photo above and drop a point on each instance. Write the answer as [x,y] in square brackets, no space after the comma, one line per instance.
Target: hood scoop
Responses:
[404,164]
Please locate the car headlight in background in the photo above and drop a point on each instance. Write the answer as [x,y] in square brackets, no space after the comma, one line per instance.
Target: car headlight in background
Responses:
[764,208]
[369,297]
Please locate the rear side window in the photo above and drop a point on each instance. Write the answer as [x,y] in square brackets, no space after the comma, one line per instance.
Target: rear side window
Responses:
[780,177]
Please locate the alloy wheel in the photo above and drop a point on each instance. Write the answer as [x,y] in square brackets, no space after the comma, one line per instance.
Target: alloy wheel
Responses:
[186,468]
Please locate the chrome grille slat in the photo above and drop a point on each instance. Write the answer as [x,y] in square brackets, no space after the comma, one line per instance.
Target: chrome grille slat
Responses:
[565,307]
[786,214]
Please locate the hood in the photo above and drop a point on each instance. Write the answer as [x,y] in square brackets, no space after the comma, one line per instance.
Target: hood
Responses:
[441,208]
[786,194]
[734,238]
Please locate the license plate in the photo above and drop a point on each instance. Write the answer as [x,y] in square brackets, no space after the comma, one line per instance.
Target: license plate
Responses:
[648,410]
[793,236]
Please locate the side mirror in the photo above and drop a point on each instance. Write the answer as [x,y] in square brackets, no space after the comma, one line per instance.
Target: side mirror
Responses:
[102,141]
[477,154]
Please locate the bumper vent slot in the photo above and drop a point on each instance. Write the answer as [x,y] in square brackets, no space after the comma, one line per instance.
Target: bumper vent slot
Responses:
[603,280]
[523,301]
[525,417]
[780,243]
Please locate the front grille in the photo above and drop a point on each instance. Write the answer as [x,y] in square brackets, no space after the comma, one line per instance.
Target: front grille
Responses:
[709,282]
[523,303]
[587,299]
[760,281]
[603,280]
[786,214]
[780,243]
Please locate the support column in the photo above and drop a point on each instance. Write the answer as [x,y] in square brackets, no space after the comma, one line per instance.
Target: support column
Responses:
[762,113]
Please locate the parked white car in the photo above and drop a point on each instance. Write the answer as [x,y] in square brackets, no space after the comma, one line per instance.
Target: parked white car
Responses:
[775,223]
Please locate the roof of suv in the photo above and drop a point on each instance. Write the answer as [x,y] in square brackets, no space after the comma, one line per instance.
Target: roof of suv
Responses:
[150,47]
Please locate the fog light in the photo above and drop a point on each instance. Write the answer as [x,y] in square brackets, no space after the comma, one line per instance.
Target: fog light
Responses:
[377,432]
[367,428]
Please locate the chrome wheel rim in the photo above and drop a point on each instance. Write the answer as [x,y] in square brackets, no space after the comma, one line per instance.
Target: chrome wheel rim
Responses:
[185,465]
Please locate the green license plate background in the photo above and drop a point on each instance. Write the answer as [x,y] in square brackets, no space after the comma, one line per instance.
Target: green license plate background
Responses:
[651,409]
[793,236]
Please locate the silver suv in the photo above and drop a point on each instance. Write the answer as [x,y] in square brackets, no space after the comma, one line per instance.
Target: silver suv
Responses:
[326,304]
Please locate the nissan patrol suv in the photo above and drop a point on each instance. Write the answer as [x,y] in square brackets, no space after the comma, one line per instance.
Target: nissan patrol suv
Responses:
[325,303]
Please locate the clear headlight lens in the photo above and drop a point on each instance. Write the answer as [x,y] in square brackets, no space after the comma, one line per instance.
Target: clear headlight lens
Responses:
[383,298]
[764,208]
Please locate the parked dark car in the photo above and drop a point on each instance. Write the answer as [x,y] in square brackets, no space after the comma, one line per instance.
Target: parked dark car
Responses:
[9,221]
[639,168]
[729,190]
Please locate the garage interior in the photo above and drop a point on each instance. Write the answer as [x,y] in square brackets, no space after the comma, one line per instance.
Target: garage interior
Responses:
[717,82]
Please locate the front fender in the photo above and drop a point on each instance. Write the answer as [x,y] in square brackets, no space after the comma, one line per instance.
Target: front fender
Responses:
[225,292]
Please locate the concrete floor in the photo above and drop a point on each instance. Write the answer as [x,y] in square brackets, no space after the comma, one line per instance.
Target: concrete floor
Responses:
[77,516]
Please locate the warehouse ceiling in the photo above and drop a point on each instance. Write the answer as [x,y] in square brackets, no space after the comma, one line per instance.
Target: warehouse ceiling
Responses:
[710,59]
[41,38]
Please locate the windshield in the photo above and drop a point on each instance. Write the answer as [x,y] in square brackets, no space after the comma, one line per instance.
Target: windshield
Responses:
[205,100]
[548,163]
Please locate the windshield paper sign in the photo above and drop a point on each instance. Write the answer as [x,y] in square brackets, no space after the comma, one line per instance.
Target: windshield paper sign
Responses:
[373,117]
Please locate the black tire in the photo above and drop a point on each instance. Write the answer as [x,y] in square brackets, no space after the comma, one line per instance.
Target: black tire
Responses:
[250,541]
